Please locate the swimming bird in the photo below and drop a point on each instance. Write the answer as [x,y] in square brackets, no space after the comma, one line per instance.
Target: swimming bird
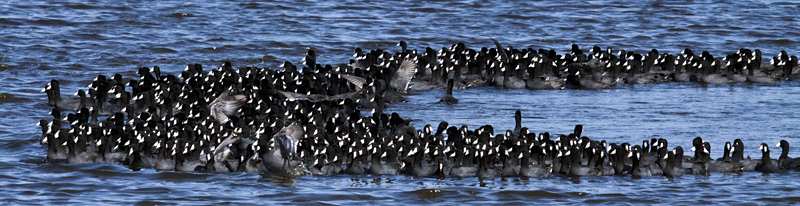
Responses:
[512,82]
[637,170]
[78,152]
[579,81]
[737,157]
[55,149]
[710,72]
[766,166]
[189,158]
[576,168]
[166,152]
[684,68]
[448,95]
[463,165]
[528,169]
[673,167]
[724,164]
[636,75]
[486,168]
[53,90]
[379,166]
[784,161]
[540,79]
[503,78]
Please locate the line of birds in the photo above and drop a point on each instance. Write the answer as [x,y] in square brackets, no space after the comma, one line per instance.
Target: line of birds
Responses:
[597,69]
[309,120]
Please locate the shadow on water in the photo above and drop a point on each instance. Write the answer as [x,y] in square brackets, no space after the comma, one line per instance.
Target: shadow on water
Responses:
[278,180]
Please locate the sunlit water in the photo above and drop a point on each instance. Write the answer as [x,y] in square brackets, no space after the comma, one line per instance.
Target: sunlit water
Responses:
[73,42]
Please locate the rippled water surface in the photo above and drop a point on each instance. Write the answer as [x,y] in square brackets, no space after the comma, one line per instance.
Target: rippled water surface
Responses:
[73,42]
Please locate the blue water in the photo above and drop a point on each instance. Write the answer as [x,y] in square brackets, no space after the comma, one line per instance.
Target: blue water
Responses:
[74,42]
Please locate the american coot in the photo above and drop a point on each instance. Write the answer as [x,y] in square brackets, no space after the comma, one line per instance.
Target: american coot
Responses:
[575,167]
[168,123]
[358,157]
[617,156]
[463,166]
[684,68]
[53,90]
[636,75]
[541,78]
[724,164]
[748,165]
[734,68]
[417,165]
[55,149]
[753,66]
[710,73]
[380,166]
[512,82]
[767,165]
[580,80]
[637,171]
[528,169]
[500,65]
[77,142]
[726,152]
[699,150]
[784,161]
[701,157]
[448,95]
[486,168]
[649,162]
[510,161]
[164,159]
[189,159]
[673,167]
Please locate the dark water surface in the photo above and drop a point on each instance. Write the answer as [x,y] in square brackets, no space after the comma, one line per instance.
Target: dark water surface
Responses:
[73,42]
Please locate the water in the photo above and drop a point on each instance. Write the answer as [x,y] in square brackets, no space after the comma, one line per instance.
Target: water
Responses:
[73,42]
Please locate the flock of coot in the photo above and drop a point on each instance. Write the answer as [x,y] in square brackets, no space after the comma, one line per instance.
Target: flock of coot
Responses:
[309,121]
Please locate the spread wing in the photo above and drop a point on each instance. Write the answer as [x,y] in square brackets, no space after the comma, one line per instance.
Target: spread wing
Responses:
[225,105]
[402,78]
[358,81]
[292,96]
[345,95]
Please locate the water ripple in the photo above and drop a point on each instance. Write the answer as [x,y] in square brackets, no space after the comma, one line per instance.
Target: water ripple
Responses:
[74,42]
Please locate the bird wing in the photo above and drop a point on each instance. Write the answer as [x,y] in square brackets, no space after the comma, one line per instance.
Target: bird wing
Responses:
[220,150]
[501,51]
[287,140]
[292,96]
[358,81]
[226,104]
[402,78]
